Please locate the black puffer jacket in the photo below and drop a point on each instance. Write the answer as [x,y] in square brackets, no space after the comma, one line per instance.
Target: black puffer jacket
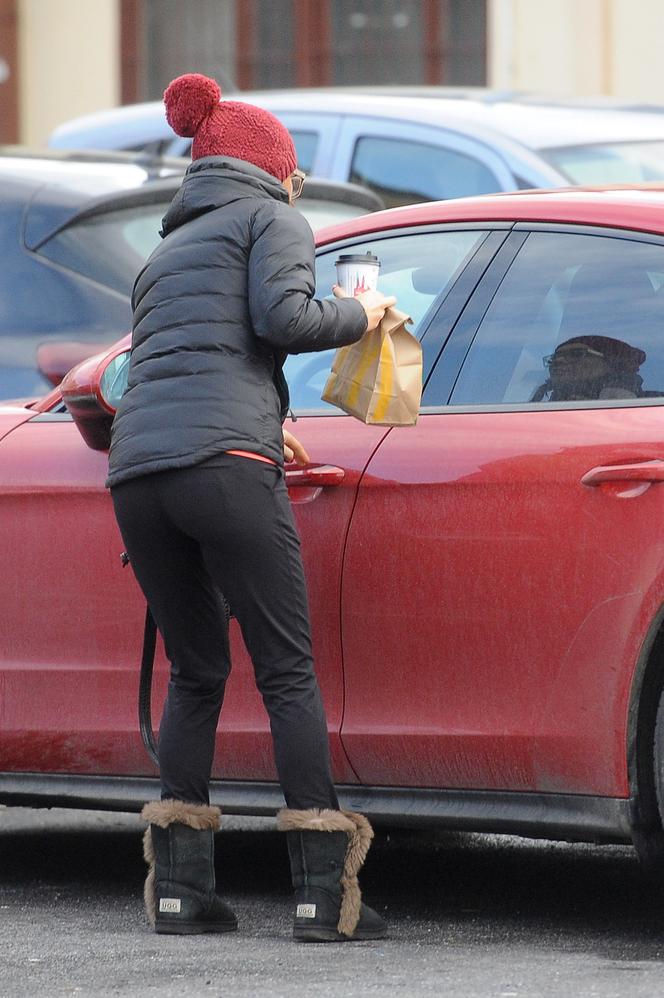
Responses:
[217,307]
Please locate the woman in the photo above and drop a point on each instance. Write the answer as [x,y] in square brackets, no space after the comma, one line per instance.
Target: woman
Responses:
[196,475]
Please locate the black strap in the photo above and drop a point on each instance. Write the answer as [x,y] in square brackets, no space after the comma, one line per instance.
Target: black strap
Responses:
[145,680]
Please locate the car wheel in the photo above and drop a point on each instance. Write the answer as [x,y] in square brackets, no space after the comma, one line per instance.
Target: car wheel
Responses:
[649,836]
[658,756]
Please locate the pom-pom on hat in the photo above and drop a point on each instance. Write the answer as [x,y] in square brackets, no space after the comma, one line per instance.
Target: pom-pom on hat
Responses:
[228,128]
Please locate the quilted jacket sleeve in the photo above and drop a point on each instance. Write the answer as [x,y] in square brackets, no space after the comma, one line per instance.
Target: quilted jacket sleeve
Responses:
[284,312]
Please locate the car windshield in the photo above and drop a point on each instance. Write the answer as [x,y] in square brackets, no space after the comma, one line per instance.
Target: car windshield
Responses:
[609,162]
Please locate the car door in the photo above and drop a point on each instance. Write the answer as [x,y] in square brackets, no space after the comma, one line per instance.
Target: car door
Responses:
[71,639]
[73,617]
[342,446]
[504,560]
[405,163]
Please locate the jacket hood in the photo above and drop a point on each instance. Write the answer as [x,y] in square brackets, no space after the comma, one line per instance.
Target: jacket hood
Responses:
[215,181]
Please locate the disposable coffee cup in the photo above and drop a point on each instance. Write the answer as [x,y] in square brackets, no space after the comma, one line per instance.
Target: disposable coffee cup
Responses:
[357,272]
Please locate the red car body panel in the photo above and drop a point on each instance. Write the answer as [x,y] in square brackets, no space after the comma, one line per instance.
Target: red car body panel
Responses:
[460,641]
[71,650]
[497,653]
[12,416]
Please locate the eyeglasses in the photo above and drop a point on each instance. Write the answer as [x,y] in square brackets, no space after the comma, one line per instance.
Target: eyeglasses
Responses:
[571,355]
[297,180]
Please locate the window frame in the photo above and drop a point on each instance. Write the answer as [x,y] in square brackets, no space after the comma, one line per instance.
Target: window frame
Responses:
[452,356]
[444,310]
[356,127]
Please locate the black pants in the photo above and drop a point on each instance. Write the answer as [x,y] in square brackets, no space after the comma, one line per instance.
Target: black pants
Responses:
[227,525]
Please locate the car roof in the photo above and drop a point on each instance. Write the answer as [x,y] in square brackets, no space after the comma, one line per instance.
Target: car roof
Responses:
[495,95]
[630,207]
[535,123]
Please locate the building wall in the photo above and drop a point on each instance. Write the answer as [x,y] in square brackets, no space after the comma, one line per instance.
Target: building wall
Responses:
[66,54]
[577,47]
[637,33]
[68,62]
[9,124]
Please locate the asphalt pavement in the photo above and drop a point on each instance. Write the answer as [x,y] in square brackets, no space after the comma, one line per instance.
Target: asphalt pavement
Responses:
[471,916]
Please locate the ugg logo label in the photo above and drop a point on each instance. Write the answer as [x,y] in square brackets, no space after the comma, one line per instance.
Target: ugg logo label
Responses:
[306,911]
[169,904]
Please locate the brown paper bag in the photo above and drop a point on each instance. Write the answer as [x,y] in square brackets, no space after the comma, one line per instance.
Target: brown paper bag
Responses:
[379,378]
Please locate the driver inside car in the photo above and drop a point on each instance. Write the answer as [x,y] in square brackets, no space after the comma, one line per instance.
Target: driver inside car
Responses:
[591,367]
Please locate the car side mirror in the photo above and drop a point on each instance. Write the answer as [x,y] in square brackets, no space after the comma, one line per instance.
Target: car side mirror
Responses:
[92,391]
[55,359]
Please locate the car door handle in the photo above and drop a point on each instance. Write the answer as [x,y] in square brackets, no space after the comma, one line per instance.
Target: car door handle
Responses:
[643,471]
[315,475]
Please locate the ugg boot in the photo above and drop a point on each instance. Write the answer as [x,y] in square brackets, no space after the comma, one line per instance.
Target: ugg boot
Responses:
[327,850]
[178,846]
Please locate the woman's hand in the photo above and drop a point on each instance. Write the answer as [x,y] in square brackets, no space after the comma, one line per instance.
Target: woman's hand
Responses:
[374,304]
[293,449]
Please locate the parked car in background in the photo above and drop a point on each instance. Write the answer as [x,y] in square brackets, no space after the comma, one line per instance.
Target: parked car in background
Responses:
[422,144]
[77,228]
[74,235]
[486,587]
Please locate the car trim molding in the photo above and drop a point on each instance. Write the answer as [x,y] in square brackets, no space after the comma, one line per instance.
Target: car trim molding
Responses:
[577,817]
[611,231]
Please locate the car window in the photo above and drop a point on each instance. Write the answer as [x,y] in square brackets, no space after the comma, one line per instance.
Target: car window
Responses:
[576,318]
[109,248]
[609,162]
[306,144]
[404,172]
[416,268]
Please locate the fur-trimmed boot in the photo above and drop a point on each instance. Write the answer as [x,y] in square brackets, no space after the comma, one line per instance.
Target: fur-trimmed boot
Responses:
[327,850]
[178,846]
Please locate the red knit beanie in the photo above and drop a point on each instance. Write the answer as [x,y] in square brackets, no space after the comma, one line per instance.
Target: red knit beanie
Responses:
[229,128]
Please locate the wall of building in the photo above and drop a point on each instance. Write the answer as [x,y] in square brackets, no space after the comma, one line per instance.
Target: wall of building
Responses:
[66,56]
[577,47]
[637,32]
[68,62]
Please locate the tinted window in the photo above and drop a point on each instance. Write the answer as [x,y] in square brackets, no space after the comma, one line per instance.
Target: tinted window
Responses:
[109,248]
[416,268]
[577,317]
[404,172]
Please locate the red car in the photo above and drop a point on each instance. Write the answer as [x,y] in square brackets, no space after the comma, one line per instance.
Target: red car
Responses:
[487,588]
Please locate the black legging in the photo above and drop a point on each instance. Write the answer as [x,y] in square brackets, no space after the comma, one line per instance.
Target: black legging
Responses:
[226,524]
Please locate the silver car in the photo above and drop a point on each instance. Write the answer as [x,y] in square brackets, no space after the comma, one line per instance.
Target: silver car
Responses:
[418,144]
